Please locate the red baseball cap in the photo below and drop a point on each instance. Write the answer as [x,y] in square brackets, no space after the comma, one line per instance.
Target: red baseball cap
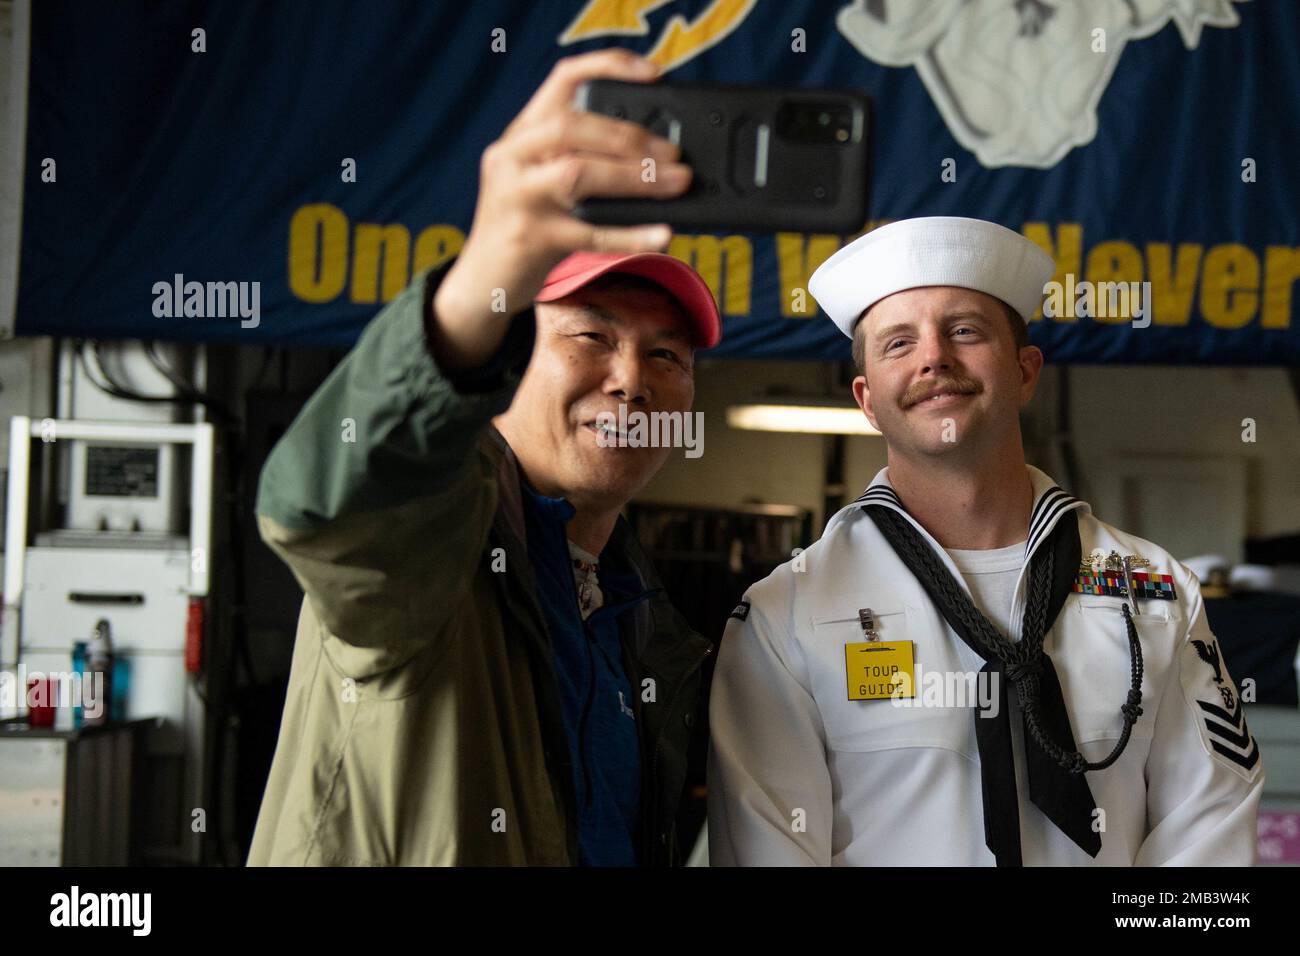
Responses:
[677,278]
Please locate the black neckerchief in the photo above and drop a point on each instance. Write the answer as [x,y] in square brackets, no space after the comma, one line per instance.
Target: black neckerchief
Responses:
[1057,785]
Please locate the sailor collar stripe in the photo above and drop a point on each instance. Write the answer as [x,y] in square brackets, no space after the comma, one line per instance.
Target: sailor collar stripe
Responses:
[1048,508]
[1051,505]
[880,494]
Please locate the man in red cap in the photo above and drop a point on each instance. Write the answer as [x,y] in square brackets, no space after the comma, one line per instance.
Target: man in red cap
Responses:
[486,670]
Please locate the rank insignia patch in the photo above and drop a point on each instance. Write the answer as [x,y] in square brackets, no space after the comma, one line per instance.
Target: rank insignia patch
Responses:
[1223,723]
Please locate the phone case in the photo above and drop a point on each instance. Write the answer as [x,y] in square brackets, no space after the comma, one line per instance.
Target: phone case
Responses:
[763,158]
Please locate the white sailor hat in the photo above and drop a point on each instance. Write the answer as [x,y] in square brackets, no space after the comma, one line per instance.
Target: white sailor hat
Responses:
[934,250]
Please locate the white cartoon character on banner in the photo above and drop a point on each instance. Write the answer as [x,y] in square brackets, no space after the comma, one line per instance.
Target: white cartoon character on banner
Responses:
[1018,81]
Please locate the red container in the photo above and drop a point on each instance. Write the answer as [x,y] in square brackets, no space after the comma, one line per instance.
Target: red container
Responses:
[41,693]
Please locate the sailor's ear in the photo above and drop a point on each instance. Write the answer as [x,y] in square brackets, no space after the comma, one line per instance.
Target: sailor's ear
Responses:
[862,395]
[861,390]
[1031,362]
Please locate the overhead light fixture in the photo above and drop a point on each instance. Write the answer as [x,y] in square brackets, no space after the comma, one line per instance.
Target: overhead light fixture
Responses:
[812,416]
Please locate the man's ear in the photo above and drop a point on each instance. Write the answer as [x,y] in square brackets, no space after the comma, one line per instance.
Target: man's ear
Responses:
[1031,368]
[862,395]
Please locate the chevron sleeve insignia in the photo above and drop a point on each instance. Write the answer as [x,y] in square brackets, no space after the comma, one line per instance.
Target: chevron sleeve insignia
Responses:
[1218,710]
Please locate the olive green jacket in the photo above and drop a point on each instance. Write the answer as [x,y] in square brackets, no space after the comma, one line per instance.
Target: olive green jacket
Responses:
[422,723]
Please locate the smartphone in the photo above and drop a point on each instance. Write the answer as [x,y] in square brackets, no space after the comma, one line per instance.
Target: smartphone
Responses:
[764,159]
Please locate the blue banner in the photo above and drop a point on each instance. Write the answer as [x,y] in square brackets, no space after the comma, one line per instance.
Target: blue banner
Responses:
[273,172]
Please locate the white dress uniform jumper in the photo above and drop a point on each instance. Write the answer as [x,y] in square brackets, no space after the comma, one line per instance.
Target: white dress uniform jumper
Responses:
[812,763]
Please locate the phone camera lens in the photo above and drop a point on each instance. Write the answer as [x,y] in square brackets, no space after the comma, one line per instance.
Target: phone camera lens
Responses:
[823,118]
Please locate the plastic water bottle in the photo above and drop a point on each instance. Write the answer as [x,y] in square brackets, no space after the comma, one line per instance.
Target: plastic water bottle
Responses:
[99,670]
[78,668]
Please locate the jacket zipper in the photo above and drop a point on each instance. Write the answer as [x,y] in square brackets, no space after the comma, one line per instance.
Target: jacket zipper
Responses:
[582,722]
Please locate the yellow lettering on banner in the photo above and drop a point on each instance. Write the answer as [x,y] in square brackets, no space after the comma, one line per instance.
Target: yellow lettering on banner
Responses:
[318,252]
[797,258]
[436,245]
[323,252]
[1281,269]
[392,243]
[1113,262]
[1066,249]
[1229,286]
[1172,294]
[726,265]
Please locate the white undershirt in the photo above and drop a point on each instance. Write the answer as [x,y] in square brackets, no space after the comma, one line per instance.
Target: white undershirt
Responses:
[991,575]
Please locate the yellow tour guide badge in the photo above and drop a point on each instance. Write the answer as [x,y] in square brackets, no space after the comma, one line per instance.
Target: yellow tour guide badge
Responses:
[879,670]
